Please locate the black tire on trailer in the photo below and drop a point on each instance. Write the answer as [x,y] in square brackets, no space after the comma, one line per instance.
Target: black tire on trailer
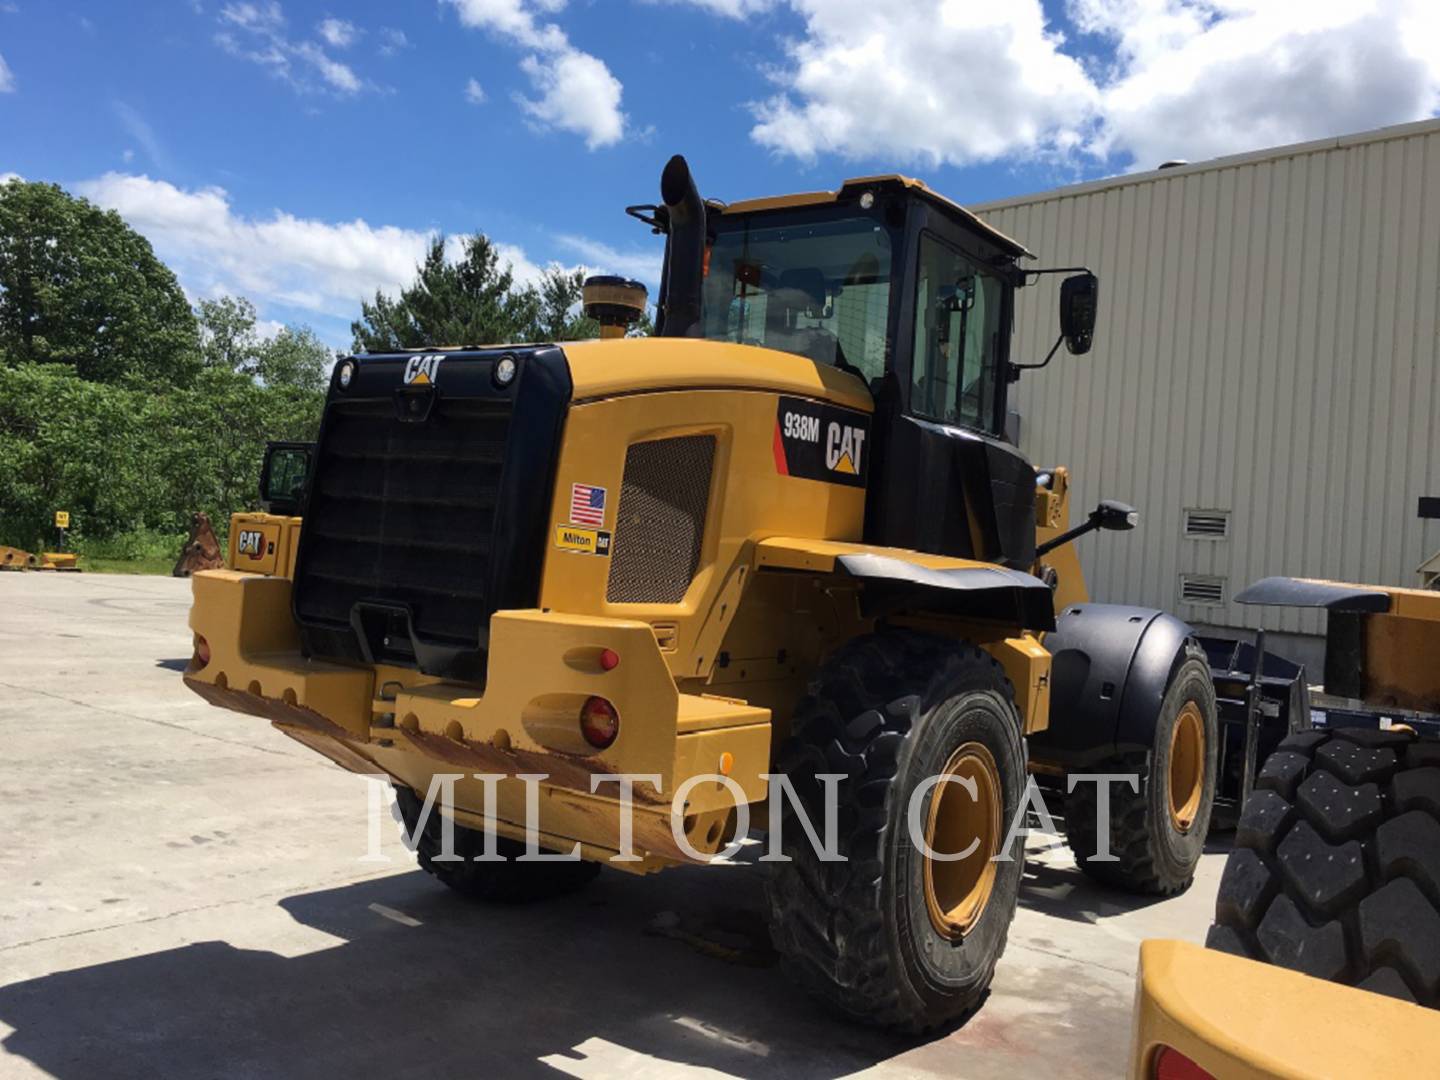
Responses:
[887,936]
[499,882]
[1157,833]
[1336,868]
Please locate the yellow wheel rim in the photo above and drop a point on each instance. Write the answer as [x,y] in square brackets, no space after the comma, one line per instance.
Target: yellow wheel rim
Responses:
[1187,767]
[957,891]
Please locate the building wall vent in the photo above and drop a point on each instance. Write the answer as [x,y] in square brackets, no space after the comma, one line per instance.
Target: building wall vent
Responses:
[1202,590]
[1207,524]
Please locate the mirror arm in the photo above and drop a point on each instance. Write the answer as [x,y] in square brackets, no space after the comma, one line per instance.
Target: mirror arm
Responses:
[1064,538]
[1016,369]
[1028,274]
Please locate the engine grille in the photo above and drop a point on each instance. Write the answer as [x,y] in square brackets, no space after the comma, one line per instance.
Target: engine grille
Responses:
[404,513]
[661,523]
[417,530]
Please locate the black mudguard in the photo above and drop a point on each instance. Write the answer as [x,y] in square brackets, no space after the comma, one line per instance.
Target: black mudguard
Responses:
[1111,667]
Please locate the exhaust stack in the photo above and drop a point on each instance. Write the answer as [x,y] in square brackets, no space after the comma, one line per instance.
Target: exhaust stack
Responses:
[681,314]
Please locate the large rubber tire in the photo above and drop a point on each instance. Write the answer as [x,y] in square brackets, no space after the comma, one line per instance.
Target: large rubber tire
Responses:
[500,882]
[888,710]
[1153,855]
[1336,869]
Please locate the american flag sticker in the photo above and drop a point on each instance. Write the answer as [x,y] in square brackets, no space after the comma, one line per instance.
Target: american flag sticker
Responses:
[587,505]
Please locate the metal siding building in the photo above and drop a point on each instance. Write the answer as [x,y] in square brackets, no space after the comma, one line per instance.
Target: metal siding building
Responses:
[1266,347]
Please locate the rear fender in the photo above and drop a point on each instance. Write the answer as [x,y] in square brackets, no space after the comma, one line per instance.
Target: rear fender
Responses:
[1111,665]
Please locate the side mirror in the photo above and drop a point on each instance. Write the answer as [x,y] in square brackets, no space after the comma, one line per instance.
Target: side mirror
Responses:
[1079,303]
[1116,516]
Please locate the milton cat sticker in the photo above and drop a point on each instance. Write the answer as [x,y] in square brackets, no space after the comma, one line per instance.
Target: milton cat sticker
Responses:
[821,442]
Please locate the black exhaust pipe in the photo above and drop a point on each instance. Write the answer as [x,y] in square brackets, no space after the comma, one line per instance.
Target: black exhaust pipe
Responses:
[681,314]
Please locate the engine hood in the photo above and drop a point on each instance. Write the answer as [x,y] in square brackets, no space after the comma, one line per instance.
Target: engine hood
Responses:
[601,369]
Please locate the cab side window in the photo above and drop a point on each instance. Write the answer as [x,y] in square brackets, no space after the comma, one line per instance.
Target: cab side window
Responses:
[957,319]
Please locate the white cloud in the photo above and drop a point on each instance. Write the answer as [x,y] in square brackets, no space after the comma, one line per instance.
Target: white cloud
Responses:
[474,93]
[254,16]
[942,81]
[140,130]
[1198,81]
[338,33]
[6,177]
[392,41]
[325,267]
[256,32]
[575,90]
[734,9]
[604,259]
[937,82]
[7,78]
[577,93]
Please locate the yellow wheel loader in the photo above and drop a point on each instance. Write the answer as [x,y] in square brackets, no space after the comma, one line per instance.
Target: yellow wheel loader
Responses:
[1327,922]
[778,565]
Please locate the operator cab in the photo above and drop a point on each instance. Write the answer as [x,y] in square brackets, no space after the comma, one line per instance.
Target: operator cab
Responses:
[910,293]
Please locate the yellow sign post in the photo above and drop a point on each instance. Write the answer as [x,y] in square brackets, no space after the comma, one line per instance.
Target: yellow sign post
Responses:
[62,519]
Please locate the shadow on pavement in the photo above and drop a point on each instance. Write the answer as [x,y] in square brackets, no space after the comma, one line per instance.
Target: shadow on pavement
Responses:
[632,973]
[424,983]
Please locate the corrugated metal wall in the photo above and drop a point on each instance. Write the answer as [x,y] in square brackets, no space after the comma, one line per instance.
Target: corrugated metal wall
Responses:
[1267,346]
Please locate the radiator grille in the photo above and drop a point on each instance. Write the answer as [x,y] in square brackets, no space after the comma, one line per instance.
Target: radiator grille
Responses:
[661,523]
[404,514]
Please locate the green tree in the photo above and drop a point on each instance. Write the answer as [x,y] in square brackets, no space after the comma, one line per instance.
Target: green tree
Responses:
[228,340]
[472,301]
[296,358]
[78,286]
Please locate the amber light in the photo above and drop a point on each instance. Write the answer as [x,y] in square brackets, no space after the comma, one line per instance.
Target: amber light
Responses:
[202,651]
[599,722]
[609,659]
[1170,1064]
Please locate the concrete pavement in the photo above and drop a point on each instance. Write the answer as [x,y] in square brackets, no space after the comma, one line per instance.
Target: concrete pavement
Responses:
[181,894]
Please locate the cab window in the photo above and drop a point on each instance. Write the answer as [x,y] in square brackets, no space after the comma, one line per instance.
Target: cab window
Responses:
[957,322]
[816,285]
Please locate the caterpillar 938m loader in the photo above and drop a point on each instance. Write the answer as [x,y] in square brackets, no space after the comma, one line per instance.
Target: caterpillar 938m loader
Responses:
[785,535]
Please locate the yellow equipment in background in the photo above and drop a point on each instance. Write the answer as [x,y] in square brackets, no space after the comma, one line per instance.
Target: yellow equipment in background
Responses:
[1334,879]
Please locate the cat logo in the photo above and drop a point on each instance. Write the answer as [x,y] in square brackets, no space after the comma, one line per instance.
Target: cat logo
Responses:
[423,370]
[843,446]
[815,440]
[251,542]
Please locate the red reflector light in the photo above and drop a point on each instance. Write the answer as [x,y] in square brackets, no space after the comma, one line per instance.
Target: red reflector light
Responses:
[599,722]
[202,651]
[609,659]
[1170,1064]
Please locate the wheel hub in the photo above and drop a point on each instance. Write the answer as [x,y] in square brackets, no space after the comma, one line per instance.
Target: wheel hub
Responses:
[956,891]
[1187,767]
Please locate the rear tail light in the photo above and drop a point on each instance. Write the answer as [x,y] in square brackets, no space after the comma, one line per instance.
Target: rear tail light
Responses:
[202,652]
[599,722]
[609,659]
[1170,1064]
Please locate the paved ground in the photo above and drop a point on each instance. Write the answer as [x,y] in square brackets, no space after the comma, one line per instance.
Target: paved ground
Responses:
[180,896]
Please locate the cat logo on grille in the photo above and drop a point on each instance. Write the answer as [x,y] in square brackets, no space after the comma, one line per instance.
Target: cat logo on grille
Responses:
[423,370]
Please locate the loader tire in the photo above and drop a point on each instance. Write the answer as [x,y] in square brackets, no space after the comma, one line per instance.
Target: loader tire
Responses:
[508,882]
[1157,833]
[883,936]
[1336,869]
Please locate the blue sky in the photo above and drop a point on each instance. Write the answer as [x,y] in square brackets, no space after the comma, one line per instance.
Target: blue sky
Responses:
[299,152]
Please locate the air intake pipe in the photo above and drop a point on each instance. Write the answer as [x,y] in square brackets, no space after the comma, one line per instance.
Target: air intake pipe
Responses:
[681,317]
